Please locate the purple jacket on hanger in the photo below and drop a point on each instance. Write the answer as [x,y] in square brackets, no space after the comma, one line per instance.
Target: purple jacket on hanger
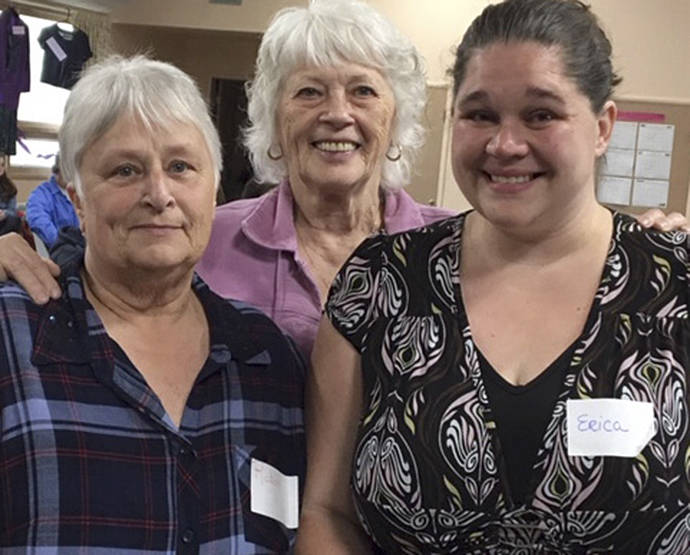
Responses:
[14,58]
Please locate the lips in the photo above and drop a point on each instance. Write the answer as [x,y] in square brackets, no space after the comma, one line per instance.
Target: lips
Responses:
[156,227]
[335,146]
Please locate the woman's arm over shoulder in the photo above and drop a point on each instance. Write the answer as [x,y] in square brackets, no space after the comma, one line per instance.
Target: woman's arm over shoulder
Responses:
[334,406]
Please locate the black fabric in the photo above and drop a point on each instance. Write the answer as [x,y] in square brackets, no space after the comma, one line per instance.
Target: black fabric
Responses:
[8,131]
[10,223]
[75,46]
[521,414]
[68,247]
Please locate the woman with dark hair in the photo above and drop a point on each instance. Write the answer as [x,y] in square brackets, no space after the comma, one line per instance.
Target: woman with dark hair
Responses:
[513,379]
[9,221]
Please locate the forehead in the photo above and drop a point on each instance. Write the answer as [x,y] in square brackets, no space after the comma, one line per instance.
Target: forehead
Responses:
[343,72]
[516,66]
[130,132]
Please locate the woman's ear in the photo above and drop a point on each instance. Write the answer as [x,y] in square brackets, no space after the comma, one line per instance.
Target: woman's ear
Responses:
[76,201]
[605,122]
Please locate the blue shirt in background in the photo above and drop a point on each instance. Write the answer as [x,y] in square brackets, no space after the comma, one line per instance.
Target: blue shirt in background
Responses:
[48,210]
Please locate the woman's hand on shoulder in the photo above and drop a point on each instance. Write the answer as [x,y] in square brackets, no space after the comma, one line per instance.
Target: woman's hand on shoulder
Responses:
[18,261]
[656,219]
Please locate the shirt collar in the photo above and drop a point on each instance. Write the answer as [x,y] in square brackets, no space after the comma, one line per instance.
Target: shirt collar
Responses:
[400,211]
[70,330]
[271,224]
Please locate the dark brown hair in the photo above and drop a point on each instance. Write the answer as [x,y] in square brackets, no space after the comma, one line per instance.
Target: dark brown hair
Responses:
[7,187]
[568,24]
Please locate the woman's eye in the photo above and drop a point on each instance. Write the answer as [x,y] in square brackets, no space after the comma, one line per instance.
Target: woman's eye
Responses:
[179,166]
[126,170]
[365,90]
[541,116]
[307,92]
[478,116]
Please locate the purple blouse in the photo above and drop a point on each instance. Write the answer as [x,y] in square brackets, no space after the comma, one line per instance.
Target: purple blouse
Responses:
[252,256]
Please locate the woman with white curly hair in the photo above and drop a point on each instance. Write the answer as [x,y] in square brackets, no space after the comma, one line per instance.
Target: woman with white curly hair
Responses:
[335,110]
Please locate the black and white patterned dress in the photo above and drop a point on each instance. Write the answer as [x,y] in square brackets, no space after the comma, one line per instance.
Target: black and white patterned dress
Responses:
[428,474]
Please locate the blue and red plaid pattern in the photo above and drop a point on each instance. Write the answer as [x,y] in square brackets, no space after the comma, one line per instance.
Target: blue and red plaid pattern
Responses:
[91,462]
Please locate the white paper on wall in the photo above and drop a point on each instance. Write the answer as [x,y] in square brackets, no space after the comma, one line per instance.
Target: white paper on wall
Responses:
[655,136]
[653,165]
[624,135]
[619,162]
[614,190]
[649,192]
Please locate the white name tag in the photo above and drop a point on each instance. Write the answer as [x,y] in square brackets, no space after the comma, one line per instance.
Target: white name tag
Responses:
[18,30]
[273,494]
[56,49]
[608,427]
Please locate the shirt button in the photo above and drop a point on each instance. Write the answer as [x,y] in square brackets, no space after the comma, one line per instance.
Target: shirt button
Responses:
[188,536]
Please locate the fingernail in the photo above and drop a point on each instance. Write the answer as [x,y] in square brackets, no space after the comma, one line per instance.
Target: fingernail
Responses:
[646,222]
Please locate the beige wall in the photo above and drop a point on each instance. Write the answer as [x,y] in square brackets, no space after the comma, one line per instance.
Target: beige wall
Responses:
[250,16]
[202,54]
[650,39]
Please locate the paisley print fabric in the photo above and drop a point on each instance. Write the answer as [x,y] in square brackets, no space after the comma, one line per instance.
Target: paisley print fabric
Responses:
[428,474]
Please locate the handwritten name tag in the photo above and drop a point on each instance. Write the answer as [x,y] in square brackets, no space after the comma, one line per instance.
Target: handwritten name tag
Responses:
[608,427]
[273,494]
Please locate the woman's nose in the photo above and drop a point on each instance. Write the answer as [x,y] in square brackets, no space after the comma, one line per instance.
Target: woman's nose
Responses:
[337,109]
[157,191]
[508,140]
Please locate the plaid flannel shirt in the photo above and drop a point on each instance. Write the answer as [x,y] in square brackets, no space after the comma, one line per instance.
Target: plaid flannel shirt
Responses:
[91,462]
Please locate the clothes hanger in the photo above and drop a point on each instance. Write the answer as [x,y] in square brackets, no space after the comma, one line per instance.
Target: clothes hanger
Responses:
[64,24]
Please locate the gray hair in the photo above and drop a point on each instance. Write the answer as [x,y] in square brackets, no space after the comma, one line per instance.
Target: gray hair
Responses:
[327,33]
[156,93]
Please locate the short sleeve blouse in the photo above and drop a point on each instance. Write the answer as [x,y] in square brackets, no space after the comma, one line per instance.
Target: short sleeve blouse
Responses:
[428,474]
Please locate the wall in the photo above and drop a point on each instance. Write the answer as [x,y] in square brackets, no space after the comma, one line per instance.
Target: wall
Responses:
[650,39]
[202,54]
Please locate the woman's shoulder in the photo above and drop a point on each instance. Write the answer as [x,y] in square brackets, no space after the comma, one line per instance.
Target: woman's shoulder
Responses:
[653,265]
[416,240]
[629,235]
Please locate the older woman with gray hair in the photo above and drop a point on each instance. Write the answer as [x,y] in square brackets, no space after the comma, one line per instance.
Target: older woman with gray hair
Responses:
[140,412]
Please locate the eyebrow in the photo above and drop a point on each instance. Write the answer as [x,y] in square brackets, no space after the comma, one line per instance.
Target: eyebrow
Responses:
[538,92]
[534,92]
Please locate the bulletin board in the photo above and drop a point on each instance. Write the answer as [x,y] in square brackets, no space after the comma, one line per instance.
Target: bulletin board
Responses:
[677,115]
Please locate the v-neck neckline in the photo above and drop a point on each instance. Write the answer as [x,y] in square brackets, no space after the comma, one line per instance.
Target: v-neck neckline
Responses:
[577,347]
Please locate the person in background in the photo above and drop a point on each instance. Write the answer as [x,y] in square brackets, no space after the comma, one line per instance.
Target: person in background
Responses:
[9,220]
[49,208]
[335,113]
[513,379]
[140,412]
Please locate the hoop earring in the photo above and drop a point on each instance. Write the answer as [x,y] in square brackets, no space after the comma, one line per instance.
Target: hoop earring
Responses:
[394,157]
[274,157]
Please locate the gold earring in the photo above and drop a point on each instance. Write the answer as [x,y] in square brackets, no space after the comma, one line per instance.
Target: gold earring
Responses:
[272,156]
[394,157]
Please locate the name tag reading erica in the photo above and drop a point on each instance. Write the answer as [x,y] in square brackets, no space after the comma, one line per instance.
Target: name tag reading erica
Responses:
[608,427]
